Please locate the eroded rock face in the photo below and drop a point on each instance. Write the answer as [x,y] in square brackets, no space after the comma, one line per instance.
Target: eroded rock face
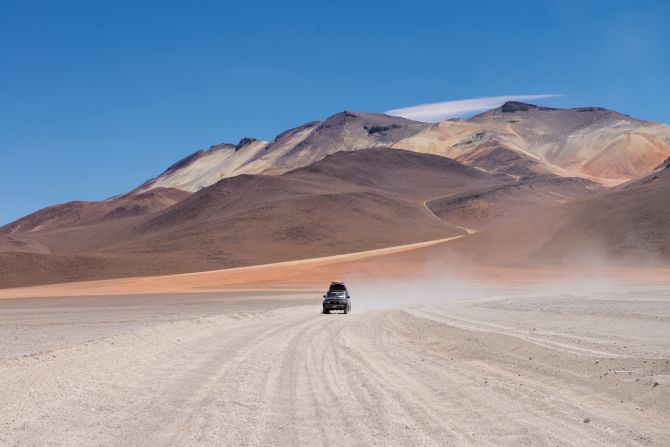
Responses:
[515,106]
[517,139]
[591,142]
[244,142]
[292,149]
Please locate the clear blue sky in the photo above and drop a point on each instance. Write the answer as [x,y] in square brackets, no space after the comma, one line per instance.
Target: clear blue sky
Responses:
[98,96]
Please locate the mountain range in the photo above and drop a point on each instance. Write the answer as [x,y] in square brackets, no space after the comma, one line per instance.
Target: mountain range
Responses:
[533,183]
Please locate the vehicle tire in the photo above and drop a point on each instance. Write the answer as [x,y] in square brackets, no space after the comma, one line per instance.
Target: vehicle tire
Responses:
[346,311]
[325,311]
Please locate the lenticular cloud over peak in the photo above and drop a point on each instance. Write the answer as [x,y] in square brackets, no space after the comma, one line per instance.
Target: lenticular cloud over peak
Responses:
[438,111]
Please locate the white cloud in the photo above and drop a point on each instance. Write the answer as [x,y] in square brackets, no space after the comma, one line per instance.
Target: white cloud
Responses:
[438,111]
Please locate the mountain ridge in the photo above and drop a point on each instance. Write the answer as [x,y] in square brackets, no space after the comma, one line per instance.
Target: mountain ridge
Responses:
[357,181]
[590,142]
[251,219]
[290,149]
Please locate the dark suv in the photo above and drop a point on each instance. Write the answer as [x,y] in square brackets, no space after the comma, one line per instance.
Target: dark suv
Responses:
[337,298]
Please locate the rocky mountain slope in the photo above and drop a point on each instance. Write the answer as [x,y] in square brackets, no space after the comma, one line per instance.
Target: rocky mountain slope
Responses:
[344,131]
[516,139]
[626,225]
[524,139]
[73,214]
[511,201]
[348,201]
[537,183]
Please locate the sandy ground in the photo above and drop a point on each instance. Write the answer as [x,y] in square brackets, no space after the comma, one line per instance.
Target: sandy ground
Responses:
[289,275]
[470,365]
[417,262]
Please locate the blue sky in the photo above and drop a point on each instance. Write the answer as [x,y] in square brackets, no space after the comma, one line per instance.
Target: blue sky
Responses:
[98,96]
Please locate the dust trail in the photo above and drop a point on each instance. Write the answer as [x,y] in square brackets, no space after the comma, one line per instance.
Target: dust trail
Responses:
[439,287]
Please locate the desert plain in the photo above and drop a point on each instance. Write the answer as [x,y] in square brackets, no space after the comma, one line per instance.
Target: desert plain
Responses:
[429,356]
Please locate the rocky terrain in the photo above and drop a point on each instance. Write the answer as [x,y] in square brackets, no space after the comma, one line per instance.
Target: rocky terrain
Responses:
[344,131]
[521,139]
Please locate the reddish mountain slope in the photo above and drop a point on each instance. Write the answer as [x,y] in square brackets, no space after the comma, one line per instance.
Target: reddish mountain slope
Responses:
[496,205]
[320,189]
[73,214]
[398,172]
[349,201]
[628,225]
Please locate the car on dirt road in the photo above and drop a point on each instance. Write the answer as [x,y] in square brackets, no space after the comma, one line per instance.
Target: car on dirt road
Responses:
[337,298]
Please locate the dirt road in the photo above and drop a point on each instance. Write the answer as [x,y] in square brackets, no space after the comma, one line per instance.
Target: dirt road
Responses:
[551,369]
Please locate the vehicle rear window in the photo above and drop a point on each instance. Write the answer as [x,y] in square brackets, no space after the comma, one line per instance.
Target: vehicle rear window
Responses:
[336,294]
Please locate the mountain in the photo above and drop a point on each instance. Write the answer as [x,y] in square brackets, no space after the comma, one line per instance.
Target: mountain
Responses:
[535,182]
[205,167]
[521,139]
[397,172]
[657,177]
[517,140]
[73,214]
[301,146]
[626,225]
[347,201]
[493,206]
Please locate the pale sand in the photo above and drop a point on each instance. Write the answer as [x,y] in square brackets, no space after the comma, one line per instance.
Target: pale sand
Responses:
[579,368]
[403,261]
[289,274]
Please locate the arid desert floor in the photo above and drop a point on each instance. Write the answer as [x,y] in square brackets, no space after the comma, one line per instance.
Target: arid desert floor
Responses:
[504,365]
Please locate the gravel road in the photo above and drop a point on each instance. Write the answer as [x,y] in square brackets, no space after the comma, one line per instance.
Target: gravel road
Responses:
[534,370]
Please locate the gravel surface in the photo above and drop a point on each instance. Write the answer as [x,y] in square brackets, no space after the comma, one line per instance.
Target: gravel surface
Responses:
[216,369]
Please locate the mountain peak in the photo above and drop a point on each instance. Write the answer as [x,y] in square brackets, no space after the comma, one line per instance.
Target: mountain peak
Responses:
[347,116]
[516,106]
[244,142]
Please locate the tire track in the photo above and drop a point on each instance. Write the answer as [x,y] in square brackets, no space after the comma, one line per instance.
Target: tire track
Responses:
[297,377]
